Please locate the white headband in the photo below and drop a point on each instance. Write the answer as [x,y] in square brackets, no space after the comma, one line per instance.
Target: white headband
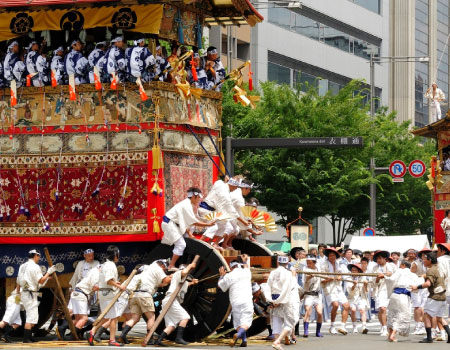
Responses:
[34,251]
[244,185]
[212,52]
[59,49]
[101,43]
[117,39]
[14,43]
[194,193]
[88,251]
[255,287]
[283,259]
[234,264]
[234,182]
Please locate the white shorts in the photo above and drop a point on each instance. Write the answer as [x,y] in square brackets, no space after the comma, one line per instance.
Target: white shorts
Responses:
[381,299]
[435,308]
[30,304]
[105,301]
[175,315]
[231,228]
[358,304]
[12,314]
[419,298]
[242,315]
[122,306]
[179,246]
[313,300]
[79,303]
[339,297]
[216,230]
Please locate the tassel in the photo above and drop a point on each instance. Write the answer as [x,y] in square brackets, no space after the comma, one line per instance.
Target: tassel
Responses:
[98,84]
[157,158]
[53,77]
[142,93]
[72,91]
[28,80]
[250,79]
[13,93]
[113,81]
[179,21]
[156,228]
[193,69]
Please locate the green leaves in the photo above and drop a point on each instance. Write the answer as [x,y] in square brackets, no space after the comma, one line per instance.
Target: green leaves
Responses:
[329,182]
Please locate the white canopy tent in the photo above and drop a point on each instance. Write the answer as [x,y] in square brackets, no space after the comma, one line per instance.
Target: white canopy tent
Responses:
[389,243]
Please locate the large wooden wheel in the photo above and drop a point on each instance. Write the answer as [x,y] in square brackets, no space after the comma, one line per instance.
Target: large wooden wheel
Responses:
[207,305]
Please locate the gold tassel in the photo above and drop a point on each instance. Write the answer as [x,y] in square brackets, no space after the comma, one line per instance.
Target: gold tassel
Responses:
[156,228]
[157,158]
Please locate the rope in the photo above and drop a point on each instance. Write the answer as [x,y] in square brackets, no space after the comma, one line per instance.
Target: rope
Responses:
[442,54]
[218,153]
[207,153]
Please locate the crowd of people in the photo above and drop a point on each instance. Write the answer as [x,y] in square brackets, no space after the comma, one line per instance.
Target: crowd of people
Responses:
[35,65]
[307,286]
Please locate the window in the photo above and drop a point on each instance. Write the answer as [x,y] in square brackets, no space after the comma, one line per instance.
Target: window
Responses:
[371,5]
[280,74]
[321,32]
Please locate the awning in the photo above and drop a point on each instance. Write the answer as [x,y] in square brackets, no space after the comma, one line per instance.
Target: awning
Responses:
[432,130]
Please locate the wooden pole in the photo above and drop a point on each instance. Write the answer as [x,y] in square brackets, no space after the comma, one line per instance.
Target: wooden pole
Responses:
[261,270]
[116,297]
[61,295]
[167,306]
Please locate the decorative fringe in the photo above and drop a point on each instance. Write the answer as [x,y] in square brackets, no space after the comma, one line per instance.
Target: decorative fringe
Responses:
[156,228]
[98,84]
[156,189]
[113,81]
[157,158]
[142,93]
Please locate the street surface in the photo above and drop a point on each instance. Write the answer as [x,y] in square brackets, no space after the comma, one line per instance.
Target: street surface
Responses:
[371,341]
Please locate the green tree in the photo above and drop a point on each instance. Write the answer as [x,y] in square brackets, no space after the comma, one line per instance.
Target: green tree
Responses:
[333,183]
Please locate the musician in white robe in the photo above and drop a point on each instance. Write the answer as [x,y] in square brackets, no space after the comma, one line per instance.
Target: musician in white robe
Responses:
[436,96]
[176,316]
[239,284]
[281,284]
[109,285]
[176,223]
[219,199]
[443,258]
[399,307]
[419,298]
[379,286]
[332,288]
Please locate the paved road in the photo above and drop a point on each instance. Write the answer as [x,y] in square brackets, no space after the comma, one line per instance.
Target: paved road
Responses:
[371,341]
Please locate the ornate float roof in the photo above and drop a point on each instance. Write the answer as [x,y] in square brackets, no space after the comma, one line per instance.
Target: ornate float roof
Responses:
[217,12]
[431,130]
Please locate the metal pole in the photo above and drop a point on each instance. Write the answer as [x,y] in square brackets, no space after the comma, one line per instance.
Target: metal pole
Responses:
[373,188]
[229,155]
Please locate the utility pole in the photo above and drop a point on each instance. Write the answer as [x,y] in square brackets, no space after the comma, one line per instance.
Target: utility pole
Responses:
[373,188]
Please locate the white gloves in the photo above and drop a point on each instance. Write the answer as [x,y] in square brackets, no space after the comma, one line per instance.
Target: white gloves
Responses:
[51,270]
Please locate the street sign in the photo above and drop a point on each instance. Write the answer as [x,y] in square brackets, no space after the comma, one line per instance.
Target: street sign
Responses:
[397,169]
[298,142]
[417,168]
[369,232]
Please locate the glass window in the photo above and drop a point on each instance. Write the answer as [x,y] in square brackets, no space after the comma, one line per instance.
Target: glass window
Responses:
[279,74]
[372,5]
[280,16]
[306,26]
[336,38]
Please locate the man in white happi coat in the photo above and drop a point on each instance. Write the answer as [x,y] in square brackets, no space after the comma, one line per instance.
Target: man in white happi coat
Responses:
[399,307]
[140,62]
[11,318]
[30,63]
[436,96]
[357,294]
[219,199]
[284,316]
[142,287]
[108,284]
[80,299]
[233,227]
[30,279]
[178,220]
[57,65]
[95,59]
[332,288]
[419,298]
[379,286]
[115,62]
[238,283]
[312,296]
[176,315]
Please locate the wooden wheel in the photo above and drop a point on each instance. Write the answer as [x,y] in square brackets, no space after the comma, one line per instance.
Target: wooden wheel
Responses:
[207,305]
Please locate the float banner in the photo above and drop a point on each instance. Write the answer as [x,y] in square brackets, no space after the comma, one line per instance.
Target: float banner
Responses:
[135,18]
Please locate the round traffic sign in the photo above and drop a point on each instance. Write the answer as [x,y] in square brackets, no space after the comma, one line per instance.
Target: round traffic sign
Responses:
[369,231]
[397,168]
[417,168]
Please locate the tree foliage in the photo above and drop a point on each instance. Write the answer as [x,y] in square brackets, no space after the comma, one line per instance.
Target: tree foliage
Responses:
[333,183]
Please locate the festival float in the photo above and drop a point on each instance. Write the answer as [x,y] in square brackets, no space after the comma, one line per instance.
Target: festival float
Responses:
[96,165]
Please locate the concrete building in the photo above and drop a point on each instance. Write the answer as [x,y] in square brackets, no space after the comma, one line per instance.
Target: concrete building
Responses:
[419,28]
